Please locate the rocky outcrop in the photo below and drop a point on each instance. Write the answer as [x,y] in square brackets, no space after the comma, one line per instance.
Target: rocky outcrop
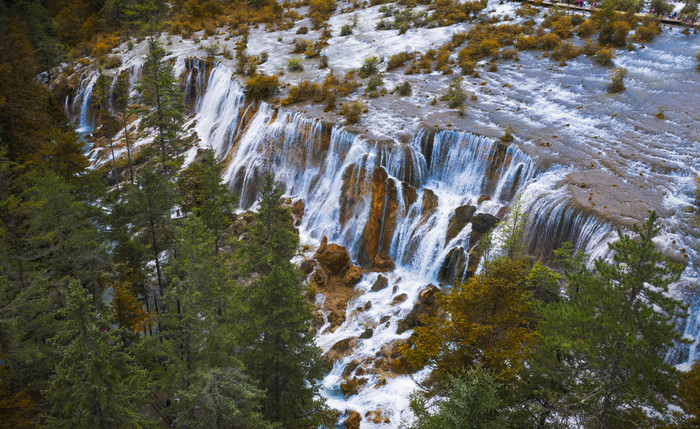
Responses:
[243,222]
[482,223]
[352,275]
[340,349]
[460,218]
[430,203]
[335,278]
[379,229]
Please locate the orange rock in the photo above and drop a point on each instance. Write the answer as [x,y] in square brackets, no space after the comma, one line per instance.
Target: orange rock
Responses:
[352,275]
[353,420]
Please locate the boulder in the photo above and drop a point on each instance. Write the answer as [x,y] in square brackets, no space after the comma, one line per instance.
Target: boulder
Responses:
[350,368]
[352,386]
[428,296]
[367,334]
[353,420]
[340,349]
[482,198]
[383,262]
[352,275]
[380,284]
[332,256]
[307,265]
[458,221]
[399,299]
[483,222]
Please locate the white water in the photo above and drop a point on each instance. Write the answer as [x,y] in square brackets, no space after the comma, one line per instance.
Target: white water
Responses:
[311,160]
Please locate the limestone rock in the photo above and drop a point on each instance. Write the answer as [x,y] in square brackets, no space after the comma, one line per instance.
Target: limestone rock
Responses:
[399,299]
[409,194]
[430,202]
[340,349]
[426,306]
[367,334]
[482,223]
[379,229]
[353,420]
[352,386]
[453,266]
[320,276]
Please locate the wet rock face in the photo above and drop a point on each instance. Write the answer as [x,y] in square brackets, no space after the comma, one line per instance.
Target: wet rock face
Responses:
[298,211]
[379,229]
[482,223]
[460,218]
[307,266]
[352,275]
[453,266]
[430,203]
[380,284]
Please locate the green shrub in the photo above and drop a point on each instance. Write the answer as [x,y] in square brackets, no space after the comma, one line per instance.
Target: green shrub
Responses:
[374,83]
[294,64]
[262,86]
[346,30]
[303,30]
[352,111]
[369,67]
[617,76]
[455,95]
[646,32]
[403,89]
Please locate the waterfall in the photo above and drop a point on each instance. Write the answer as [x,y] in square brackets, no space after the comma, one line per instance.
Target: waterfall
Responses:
[405,195]
[84,98]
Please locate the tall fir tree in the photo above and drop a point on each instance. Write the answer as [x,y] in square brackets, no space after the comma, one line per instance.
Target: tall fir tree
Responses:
[279,349]
[120,97]
[202,330]
[96,383]
[161,91]
[149,204]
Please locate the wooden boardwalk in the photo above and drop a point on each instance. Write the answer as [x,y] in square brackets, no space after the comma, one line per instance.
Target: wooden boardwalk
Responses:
[663,20]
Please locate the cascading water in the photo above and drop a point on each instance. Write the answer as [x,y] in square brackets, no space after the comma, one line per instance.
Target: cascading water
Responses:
[419,186]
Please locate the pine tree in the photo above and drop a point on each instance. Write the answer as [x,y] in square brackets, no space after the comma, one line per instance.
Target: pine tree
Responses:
[202,329]
[120,95]
[279,350]
[150,203]
[605,343]
[95,383]
[473,399]
[161,92]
